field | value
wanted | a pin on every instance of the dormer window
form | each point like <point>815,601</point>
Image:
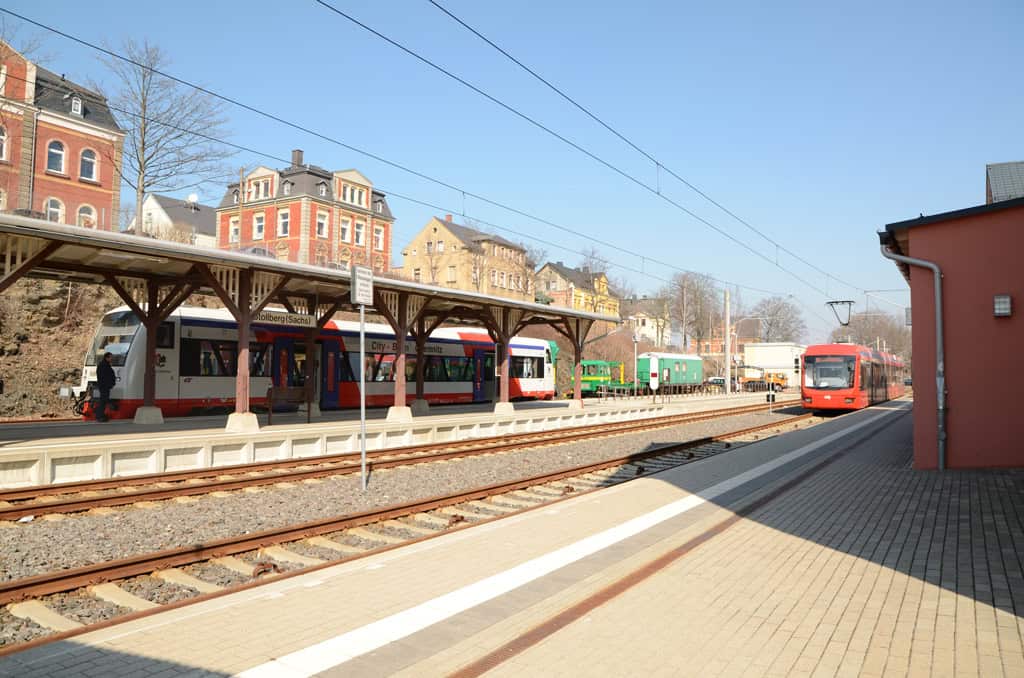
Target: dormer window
<point>234,198</point>
<point>287,188</point>
<point>76,105</point>
<point>323,189</point>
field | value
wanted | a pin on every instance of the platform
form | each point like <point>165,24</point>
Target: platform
<point>820,552</point>
<point>59,452</point>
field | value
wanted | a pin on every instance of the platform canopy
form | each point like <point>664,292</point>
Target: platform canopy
<point>156,276</point>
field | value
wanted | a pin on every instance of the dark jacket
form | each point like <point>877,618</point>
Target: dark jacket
<point>105,377</point>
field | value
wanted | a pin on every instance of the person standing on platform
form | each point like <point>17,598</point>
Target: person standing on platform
<point>105,380</point>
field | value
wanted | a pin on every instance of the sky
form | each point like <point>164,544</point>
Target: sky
<point>815,123</point>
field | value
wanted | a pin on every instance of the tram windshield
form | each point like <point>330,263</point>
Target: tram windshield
<point>114,336</point>
<point>829,371</point>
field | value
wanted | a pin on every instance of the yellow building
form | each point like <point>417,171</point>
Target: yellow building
<point>452,255</point>
<point>576,288</point>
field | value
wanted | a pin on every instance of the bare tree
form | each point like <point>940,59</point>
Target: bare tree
<point>593,260</point>
<point>165,147</point>
<point>526,268</point>
<point>781,319</point>
<point>694,302</point>
<point>879,330</point>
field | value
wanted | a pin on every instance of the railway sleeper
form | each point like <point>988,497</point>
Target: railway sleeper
<point>235,565</point>
<point>373,535</point>
<point>112,593</point>
<point>39,613</point>
<point>285,555</point>
<point>182,578</point>
<point>465,513</point>
<point>344,549</point>
<point>490,507</point>
<point>509,500</point>
<point>408,527</point>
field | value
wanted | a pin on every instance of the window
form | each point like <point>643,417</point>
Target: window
<point>234,233</point>
<point>54,210</point>
<point>3,199</point>
<point>259,189</point>
<point>529,367</point>
<point>430,247</point>
<point>440,246</point>
<point>379,207</point>
<point>283,223</point>
<point>346,229</point>
<point>258,221</point>
<point>451,274</point>
<point>87,216</point>
<point>321,224</point>
<point>494,278</point>
<point>76,106</point>
<point>378,238</point>
<point>360,237</point>
<point>87,166</point>
<point>3,79</point>
<point>323,189</point>
<point>55,157</point>
<point>344,193</point>
<point>287,188</point>
<point>234,198</point>
<point>416,274</point>
<point>362,197</point>
<point>3,141</point>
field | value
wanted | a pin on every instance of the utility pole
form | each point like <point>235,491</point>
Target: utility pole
<point>727,349</point>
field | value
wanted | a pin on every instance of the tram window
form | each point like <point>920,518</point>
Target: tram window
<point>524,367</point>
<point>590,370</point>
<point>207,358</point>
<point>434,369</point>
<point>410,368</point>
<point>259,360</point>
<point>165,335</point>
<point>489,367</point>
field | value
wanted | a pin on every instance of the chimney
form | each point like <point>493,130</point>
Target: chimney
<point>297,157</point>
<point>448,218</point>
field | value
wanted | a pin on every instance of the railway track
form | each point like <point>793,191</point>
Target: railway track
<point>254,558</point>
<point>82,496</point>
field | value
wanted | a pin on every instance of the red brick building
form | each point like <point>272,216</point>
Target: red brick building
<point>308,215</point>
<point>978,251</point>
<point>60,147</point>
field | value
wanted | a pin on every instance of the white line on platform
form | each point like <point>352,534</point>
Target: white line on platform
<point>340,649</point>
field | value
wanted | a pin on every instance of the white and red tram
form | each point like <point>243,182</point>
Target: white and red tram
<point>197,352</point>
<point>849,377</point>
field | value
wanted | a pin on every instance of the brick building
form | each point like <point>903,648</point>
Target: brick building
<point>60,147</point>
<point>578,288</point>
<point>308,215</point>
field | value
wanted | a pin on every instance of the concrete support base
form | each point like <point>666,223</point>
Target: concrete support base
<point>149,415</point>
<point>400,414</point>
<point>420,408</point>
<point>504,409</point>
<point>576,404</point>
<point>314,410</point>
<point>242,422</point>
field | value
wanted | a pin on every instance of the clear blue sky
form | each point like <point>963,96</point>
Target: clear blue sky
<point>817,123</point>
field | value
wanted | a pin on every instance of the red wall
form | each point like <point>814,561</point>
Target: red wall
<point>980,256</point>
<point>70,188</point>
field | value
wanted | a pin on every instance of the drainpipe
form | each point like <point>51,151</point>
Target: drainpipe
<point>885,239</point>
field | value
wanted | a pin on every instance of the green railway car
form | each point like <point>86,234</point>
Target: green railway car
<point>598,373</point>
<point>671,372</point>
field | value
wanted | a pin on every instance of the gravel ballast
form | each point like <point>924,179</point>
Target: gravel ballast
<point>81,539</point>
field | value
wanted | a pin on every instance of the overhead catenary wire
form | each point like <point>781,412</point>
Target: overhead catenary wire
<point>658,164</point>
<point>338,142</point>
<point>653,190</point>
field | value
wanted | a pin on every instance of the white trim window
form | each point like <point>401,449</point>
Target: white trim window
<point>503,279</point>
<point>54,209</point>
<point>234,231</point>
<point>87,166</point>
<point>440,246</point>
<point>87,216</point>
<point>378,238</point>
<point>55,157</point>
<point>76,106</point>
<point>3,140</point>
<point>259,189</point>
<point>416,275</point>
<point>258,222</point>
<point>284,218</point>
<point>286,188</point>
<point>323,190</point>
<point>346,230</point>
<point>321,224</point>
<point>451,275</point>
<point>360,234</point>
<point>494,278</point>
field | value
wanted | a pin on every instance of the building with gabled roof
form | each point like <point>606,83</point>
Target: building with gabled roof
<point>170,218</point>
<point>60,147</point>
<point>309,215</point>
<point>578,288</point>
<point>460,257</point>
<point>1004,181</point>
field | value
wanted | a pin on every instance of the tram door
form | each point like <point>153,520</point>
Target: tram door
<point>286,372</point>
<point>483,376</point>
<point>330,357</point>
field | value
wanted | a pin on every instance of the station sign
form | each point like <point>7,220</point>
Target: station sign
<point>362,285</point>
<point>283,318</point>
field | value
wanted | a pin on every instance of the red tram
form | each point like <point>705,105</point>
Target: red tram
<point>849,377</point>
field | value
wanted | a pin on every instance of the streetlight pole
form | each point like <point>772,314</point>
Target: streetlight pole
<point>636,375</point>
